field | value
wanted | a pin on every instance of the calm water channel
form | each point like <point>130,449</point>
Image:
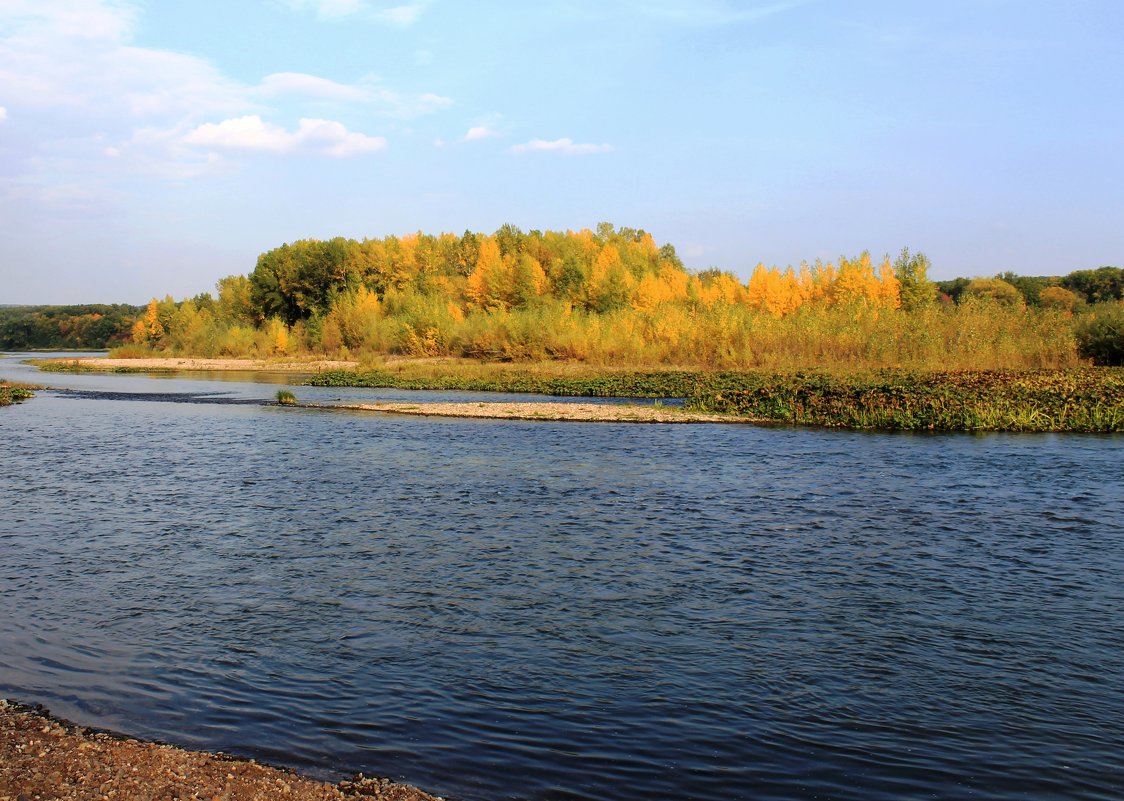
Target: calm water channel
<point>503,610</point>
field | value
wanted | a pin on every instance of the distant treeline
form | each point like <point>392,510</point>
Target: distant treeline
<point>1103,285</point>
<point>86,327</point>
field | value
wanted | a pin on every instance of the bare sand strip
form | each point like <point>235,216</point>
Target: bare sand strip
<point>544,411</point>
<point>43,757</point>
<point>253,365</point>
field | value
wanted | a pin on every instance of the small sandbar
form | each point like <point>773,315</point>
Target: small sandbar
<point>250,365</point>
<point>546,411</point>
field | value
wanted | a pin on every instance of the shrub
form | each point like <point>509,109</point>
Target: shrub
<point>1100,335</point>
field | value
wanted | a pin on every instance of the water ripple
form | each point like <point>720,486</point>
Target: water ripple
<point>497,610</point>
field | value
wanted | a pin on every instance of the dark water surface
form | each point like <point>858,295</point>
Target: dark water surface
<point>501,610</point>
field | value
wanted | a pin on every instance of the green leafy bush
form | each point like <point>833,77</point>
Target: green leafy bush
<point>1100,335</point>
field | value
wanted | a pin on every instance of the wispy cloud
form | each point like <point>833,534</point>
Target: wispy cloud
<point>702,12</point>
<point>564,146</point>
<point>478,132</point>
<point>325,137</point>
<point>301,84</point>
<point>402,15</point>
<point>3,113</point>
<point>70,67</point>
<point>367,91</point>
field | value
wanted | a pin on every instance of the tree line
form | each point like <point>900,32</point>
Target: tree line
<point>605,295</point>
<point>80,327</point>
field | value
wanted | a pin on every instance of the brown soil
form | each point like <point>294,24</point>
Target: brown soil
<point>255,365</point>
<point>577,412</point>
<point>43,758</point>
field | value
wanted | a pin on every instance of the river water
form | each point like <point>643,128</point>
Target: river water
<point>501,610</point>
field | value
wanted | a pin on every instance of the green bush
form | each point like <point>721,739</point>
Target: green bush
<point>1100,335</point>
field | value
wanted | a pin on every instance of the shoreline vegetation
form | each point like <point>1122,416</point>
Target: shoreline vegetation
<point>15,392</point>
<point>1078,399</point>
<point>854,343</point>
<point>42,756</point>
<point>611,297</point>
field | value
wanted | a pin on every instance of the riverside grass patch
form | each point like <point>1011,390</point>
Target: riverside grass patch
<point>1078,400</point>
<point>76,366</point>
<point>1087,399</point>
<point>15,393</point>
<point>596,384</point>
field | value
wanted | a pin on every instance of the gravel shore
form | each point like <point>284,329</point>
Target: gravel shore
<point>546,411</point>
<point>43,757</point>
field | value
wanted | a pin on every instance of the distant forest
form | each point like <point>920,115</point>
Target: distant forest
<point>83,327</point>
<point>609,295</point>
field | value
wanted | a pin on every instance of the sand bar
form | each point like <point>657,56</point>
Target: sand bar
<point>43,757</point>
<point>546,411</point>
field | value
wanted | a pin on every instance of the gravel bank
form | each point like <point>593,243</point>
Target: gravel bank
<point>576,412</point>
<point>42,757</point>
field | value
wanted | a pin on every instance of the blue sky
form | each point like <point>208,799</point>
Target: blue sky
<point>152,147</point>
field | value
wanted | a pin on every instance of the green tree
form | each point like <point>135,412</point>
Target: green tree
<point>915,288</point>
<point>1099,285</point>
<point>993,289</point>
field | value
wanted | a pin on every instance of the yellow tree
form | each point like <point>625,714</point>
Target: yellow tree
<point>758,289</point>
<point>486,284</point>
<point>148,329</point>
<point>611,284</point>
<point>856,282</point>
<point>889,287</point>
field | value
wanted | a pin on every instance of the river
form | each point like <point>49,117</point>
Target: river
<point>527,610</point>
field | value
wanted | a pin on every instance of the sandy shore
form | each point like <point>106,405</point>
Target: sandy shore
<point>254,365</point>
<point>576,412</point>
<point>42,757</point>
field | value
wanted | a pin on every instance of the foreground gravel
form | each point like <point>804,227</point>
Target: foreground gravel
<point>44,758</point>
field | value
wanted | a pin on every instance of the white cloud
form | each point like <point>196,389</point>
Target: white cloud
<point>75,54</point>
<point>565,146</point>
<point>250,132</point>
<point>478,132</point>
<point>69,68</point>
<point>3,113</point>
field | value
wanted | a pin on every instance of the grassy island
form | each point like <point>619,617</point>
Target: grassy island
<point>15,392</point>
<point>1077,399</point>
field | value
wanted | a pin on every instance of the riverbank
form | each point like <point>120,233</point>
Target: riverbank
<point>1086,400</point>
<point>1081,399</point>
<point>44,757</point>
